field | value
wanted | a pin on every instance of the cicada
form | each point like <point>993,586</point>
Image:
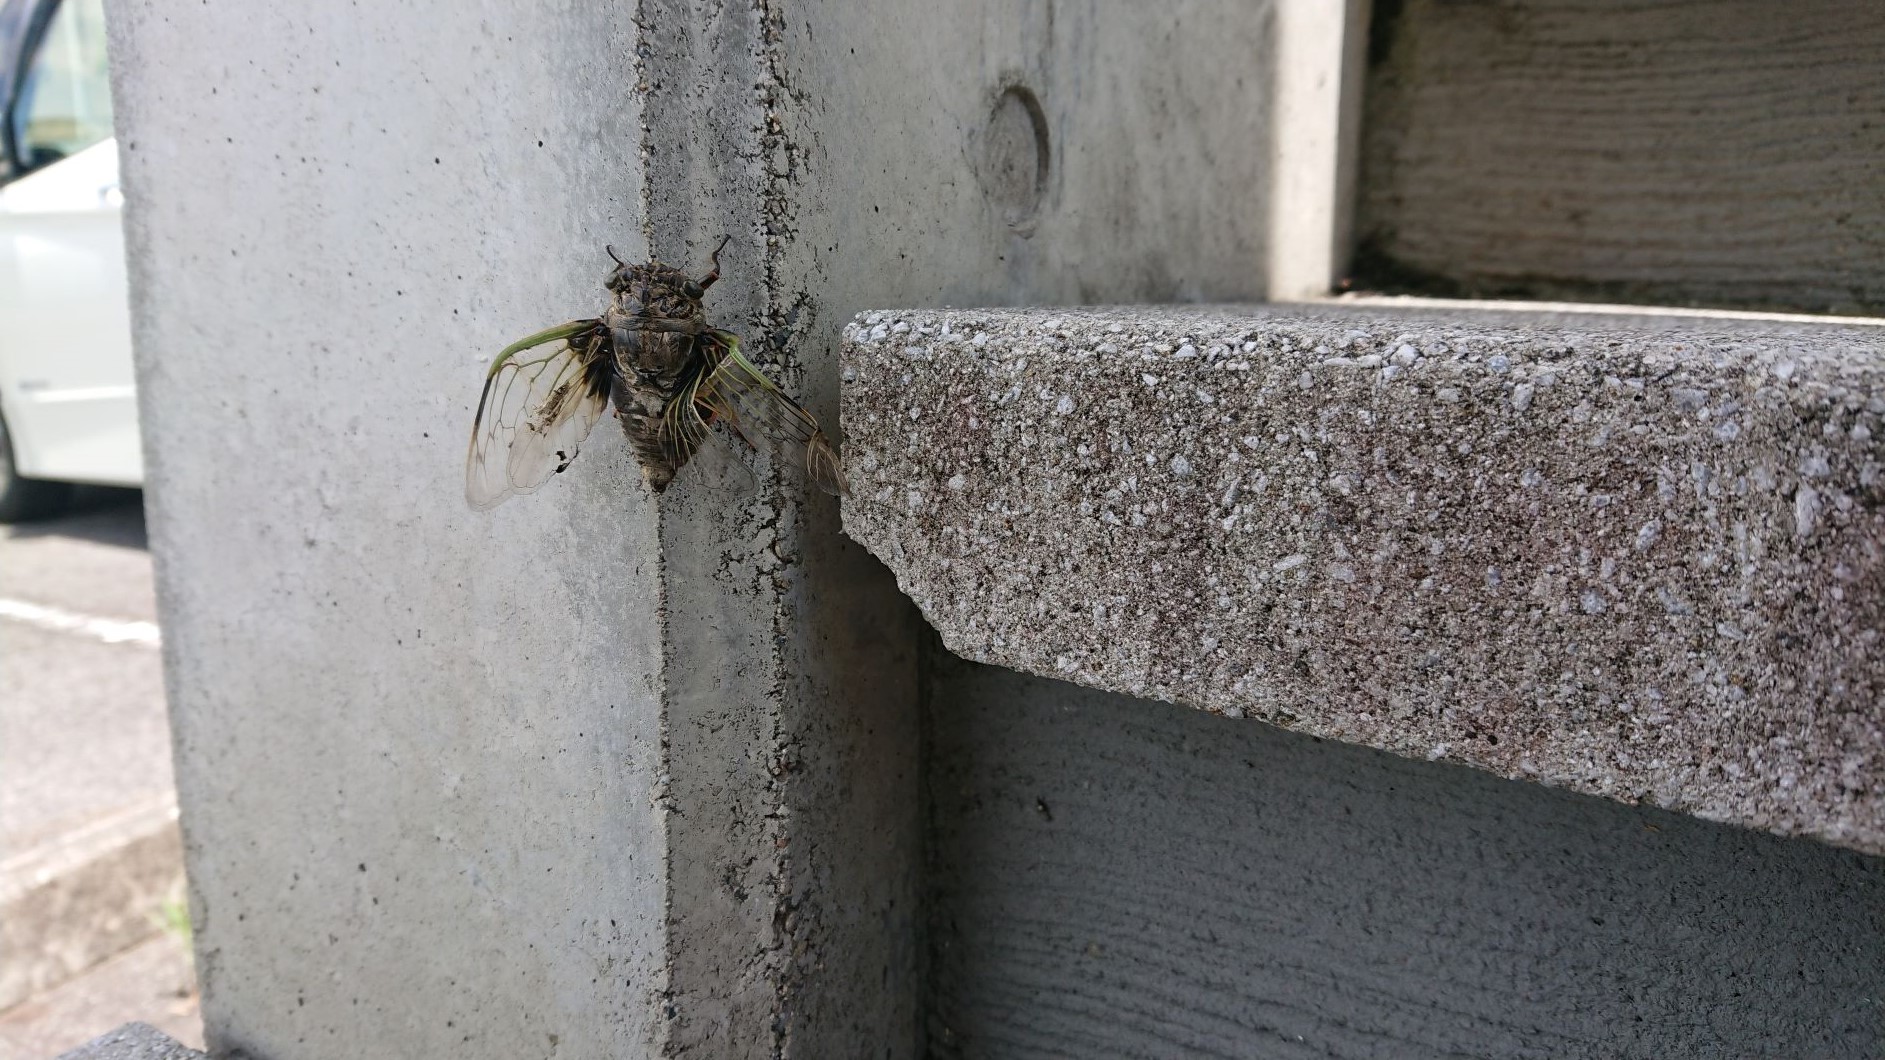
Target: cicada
<point>670,376</point>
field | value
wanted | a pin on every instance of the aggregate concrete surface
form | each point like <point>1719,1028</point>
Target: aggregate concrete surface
<point>1633,556</point>
<point>134,1041</point>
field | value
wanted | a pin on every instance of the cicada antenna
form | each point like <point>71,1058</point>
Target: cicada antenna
<point>611,251</point>
<point>707,280</point>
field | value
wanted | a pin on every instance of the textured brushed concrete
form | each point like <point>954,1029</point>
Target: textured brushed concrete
<point>1123,878</point>
<point>85,732</point>
<point>1635,557</point>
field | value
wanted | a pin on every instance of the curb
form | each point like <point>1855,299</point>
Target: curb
<point>67,904</point>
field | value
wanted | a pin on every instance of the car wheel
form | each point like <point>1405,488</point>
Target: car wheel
<point>23,499</point>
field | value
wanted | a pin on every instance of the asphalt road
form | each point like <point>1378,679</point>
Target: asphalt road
<point>83,736</point>
<point>81,685</point>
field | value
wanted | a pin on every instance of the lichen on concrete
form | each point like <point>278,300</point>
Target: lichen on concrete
<point>1637,557</point>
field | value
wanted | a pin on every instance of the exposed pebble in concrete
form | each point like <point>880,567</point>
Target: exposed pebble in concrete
<point>1532,544</point>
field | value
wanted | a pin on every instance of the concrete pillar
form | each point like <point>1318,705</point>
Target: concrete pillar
<point>1318,130</point>
<point>419,749</point>
<point>596,773</point>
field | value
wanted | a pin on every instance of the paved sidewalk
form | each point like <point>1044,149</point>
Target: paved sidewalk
<point>151,982</point>
<point>89,852</point>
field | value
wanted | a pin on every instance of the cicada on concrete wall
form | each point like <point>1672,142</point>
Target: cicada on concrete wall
<point>671,377</point>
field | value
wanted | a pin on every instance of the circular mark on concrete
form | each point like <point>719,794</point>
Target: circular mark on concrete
<point>1015,156</point>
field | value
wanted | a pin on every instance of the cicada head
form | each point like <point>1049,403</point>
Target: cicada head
<point>656,314</point>
<point>658,296</point>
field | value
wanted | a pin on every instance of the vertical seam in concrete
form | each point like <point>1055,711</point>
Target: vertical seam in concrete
<point>703,141</point>
<point>775,210</point>
<point>662,1025</point>
<point>778,929</point>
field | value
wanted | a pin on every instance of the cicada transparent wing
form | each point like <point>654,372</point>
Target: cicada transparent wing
<point>740,395</point>
<point>684,419</point>
<point>688,437</point>
<point>536,410</point>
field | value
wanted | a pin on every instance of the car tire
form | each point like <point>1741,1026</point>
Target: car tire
<point>26,499</point>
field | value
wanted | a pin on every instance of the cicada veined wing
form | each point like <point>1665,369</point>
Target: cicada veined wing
<point>685,425</point>
<point>536,410</point>
<point>688,436</point>
<point>733,391</point>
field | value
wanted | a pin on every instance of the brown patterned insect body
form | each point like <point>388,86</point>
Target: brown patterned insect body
<point>670,375</point>
<point>655,322</point>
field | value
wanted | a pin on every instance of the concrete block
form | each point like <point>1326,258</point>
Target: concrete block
<point>1317,128</point>
<point>1639,557</point>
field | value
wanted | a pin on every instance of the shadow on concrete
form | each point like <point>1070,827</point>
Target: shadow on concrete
<point>106,515</point>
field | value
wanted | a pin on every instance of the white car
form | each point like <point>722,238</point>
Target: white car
<point>68,403</point>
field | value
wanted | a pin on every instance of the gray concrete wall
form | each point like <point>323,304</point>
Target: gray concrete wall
<point>590,774</point>
<point>901,153</point>
<point>1125,878</point>
<point>417,747</point>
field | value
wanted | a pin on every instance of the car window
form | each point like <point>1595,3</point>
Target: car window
<point>64,104</point>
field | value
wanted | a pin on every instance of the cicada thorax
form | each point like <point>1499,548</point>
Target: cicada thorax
<point>655,321</point>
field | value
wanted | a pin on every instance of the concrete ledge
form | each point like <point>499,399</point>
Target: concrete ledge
<point>1641,557</point>
<point>134,1041</point>
<point>67,904</point>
